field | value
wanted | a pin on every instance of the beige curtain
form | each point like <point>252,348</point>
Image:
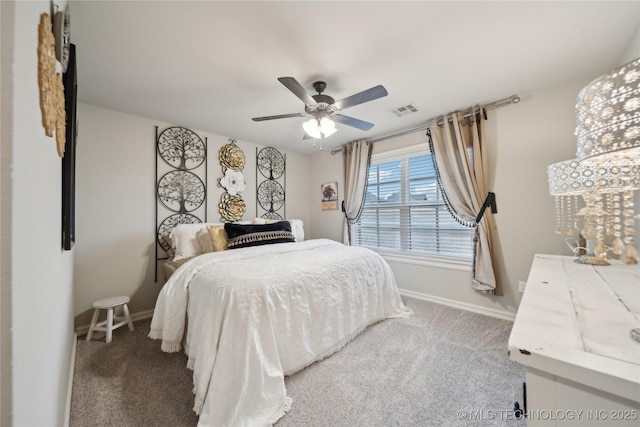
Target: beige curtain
<point>460,157</point>
<point>356,158</point>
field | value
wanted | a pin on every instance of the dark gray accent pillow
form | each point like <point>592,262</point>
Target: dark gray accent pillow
<point>244,235</point>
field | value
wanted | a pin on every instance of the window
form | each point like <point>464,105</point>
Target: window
<point>404,210</point>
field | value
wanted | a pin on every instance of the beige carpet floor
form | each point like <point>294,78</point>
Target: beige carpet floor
<point>440,367</point>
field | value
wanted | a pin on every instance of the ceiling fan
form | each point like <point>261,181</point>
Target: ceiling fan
<point>324,109</point>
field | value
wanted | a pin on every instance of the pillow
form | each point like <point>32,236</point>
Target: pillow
<point>263,221</point>
<point>297,226</point>
<point>205,240</point>
<point>166,240</point>
<point>217,237</point>
<point>184,239</point>
<point>244,235</point>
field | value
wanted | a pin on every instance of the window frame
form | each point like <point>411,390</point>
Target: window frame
<point>407,257</point>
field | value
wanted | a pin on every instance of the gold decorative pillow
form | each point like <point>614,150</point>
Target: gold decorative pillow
<point>205,240</point>
<point>218,237</point>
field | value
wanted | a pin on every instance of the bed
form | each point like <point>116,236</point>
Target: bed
<point>249,316</point>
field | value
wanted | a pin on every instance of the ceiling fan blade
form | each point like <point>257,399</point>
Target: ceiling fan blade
<point>281,116</point>
<point>361,97</point>
<point>297,89</point>
<point>350,121</point>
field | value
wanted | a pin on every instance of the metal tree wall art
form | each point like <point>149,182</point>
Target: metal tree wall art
<point>181,148</point>
<point>170,223</point>
<point>181,191</point>
<point>270,194</point>
<point>271,198</point>
<point>270,163</point>
<point>181,184</point>
<point>232,160</point>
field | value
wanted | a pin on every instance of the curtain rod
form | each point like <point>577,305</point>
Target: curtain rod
<point>514,99</point>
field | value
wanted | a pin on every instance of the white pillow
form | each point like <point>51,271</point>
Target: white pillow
<point>297,228</point>
<point>184,239</point>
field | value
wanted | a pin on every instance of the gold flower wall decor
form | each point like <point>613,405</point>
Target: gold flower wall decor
<point>231,207</point>
<point>231,157</point>
<point>50,84</point>
<point>232,160</point>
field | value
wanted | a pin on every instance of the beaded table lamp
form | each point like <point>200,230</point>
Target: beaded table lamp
<point>606,208</point>
<point>608,112</point>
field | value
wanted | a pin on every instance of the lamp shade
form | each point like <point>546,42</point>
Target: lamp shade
<point>575,178</point>
<point>327,126</point>
<point>312,128</point>
<point>608,117</point>
<point>317,128</point>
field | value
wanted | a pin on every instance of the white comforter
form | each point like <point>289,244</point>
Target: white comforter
<point>257,314</point>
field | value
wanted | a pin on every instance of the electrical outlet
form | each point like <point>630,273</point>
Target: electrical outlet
<point>521,285</point>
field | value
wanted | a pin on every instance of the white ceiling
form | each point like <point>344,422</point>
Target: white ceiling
<point>212,65</point>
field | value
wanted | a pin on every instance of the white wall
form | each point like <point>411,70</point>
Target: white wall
<point>41,273</point>
<point>325,168</point>
<point>115,217</point>
<point>528,137</point>
<point>523,139</point>
<point>633,50</point>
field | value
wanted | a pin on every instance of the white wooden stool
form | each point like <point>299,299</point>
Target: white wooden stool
<point>111,305</point>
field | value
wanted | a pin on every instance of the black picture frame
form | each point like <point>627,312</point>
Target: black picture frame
<point>70,81</point>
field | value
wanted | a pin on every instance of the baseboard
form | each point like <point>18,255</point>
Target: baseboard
<point>72,368</point>
<point>500,314</point>
<point>141,315</point>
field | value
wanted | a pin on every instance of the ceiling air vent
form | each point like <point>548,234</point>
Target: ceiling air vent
<point>404,110</point>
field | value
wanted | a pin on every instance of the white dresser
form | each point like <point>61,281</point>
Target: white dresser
<point>572,334</point>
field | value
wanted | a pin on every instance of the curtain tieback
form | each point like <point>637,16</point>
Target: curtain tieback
<point>489,201</point>
<point>349,222</point>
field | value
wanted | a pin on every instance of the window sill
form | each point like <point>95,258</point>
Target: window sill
<point>426,260</point>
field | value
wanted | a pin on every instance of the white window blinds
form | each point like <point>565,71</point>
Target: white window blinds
<point>404,211</point>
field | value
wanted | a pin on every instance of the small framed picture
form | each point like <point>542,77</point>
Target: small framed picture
<point>329,196</point>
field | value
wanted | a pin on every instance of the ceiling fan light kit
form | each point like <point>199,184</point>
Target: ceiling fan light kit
<point>323,108</point>
<point>319,128</point>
